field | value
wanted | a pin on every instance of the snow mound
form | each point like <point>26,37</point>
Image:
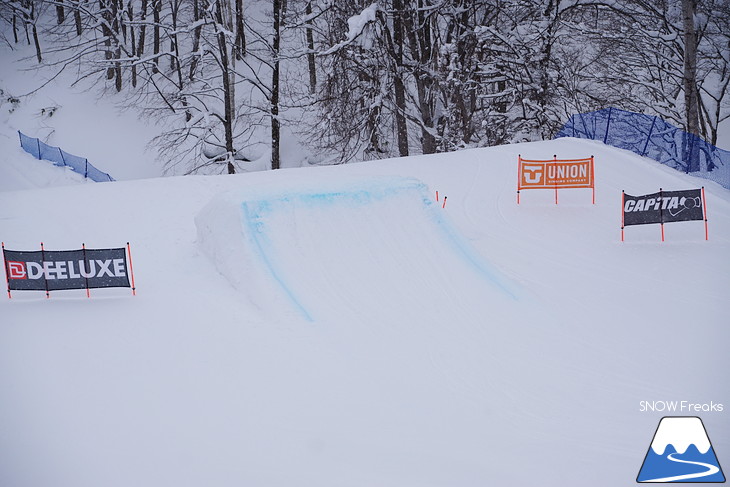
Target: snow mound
<point>20,171</point>
<point>317,248</point>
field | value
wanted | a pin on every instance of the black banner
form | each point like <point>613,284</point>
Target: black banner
<point>50,270</point>
<point>663,207</point>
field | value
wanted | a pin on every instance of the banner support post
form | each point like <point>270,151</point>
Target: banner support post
<point>661,214</point>
<point>131,269</point>
<point>86,268</point>
<point>555,162</point>
<point>593,179</point>
<point>704,212</point>
<point>623,202</point>
<point>519,176</point>
<point>7,277</point>
<point>45,275</point>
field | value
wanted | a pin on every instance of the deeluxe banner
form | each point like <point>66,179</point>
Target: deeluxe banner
<point>51,270</point>
<point>663,207</point>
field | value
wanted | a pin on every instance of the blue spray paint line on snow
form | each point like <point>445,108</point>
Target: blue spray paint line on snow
<point>355,196</point>
<point>256,211</point>
<point>465,250</point>
<point>255,229</point>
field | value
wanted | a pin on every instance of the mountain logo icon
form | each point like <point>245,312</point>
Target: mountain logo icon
<point>680,452</point>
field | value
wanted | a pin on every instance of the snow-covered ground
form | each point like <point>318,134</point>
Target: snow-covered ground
<point>337,326</point>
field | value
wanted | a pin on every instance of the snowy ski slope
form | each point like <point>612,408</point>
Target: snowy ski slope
<point>337,326</point>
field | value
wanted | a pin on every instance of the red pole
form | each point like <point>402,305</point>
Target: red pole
<point>131,269</point>
<point>555,162</point>
<point>86,264</point>
<point>519,176</point>
<point>43,262</point>
<point>661,214</point>
<point>437,195</point>
<point>444,205</point>
<point>704,212</point>
<point>623,198</point>
<point>593,180</point>
<point>7,271</point>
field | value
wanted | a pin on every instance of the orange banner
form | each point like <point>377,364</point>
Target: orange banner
<point>556,173</point>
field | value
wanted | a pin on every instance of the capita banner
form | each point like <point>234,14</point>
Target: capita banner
<point>50,270</point>
<point>663,207</point>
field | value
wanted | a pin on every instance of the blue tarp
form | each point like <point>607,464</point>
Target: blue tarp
<point>652,137</point>
<point>81,165</point>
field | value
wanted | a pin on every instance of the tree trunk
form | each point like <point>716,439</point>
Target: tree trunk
<point>691,102</point>
<point>228,98</point>
<point>60,13</point>
<point>310,51</point>
<point>549,18</point>
<point>106,32</point>
<point>26,18</point>
<point>133,41</point>
<point>691,105</point>
<point>36,42</point>
<point>400,92</point>
<point>156,8</point>
<point>240,33</point>
<point>15,28</point>
<point>196,41</point>
<point>419,39</point>
<point>115,14</point>
<point>275,127</point>
<point>142,28</point>
<point>77,18</point>
<point>175,63</point>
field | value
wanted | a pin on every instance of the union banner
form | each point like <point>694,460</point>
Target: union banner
<point>555,174</point>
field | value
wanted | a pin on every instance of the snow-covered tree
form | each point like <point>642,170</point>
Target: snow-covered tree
<point>365,79</point>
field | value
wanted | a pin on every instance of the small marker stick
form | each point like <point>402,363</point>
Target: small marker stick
<point>7,271</point>
<point>45,275</point>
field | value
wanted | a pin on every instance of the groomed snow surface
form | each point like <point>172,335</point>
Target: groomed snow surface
<point>338,326</point>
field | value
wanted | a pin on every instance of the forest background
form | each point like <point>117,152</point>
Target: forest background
<point>227,82</point>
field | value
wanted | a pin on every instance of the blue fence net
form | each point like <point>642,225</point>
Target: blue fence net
<point>652,137</point>
<point>81,165</point>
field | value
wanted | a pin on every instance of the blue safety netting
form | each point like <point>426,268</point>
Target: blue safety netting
<point>652,137</point>
<point>81,165</point>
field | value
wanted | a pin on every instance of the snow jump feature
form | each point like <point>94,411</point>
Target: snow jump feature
<point>323,247</point>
